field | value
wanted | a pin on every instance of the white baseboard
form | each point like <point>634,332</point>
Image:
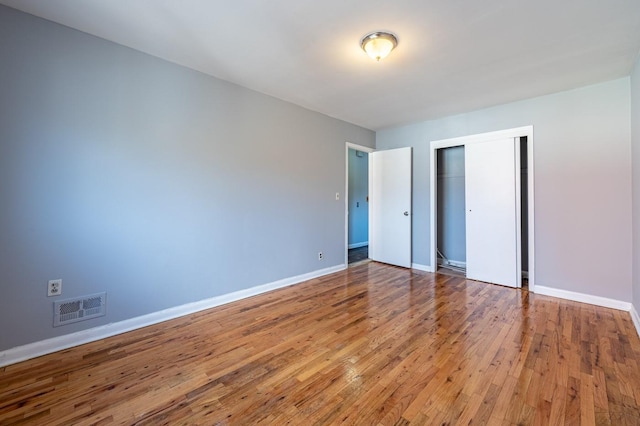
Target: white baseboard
<point>456,263</point>
<point>635,318</point>
<point>358,245</point>
<point>43,347</point>
<point>584,298</point>
<point>420,267</point>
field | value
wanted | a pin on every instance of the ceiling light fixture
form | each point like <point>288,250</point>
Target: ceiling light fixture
<point>378,44</point>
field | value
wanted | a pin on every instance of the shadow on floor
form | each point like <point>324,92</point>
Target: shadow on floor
<point>358,254</point>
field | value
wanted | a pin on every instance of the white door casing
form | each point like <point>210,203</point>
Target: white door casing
<point>525,131</point>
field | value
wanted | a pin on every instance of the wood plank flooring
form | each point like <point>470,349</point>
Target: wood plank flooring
<point>371,345</point>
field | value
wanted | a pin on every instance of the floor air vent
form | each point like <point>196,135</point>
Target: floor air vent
<point>80,309</point>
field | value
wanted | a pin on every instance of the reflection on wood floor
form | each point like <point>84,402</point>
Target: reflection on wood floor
<point>373,344</point>
<point>456,272</point>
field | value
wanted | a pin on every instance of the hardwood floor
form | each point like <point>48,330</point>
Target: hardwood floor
<point>371,345</point>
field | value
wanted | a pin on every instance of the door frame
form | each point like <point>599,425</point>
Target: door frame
<point>368,150</point>
<point>478,138</point>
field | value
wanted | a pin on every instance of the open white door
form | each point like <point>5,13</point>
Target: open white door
<point>493,211</point>
<point>390,206</point>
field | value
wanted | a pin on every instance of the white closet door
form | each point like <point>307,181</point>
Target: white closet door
<point>390,206</point>
<point>493,211</point>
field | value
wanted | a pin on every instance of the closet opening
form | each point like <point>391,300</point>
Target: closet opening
<point>451,208</point>
<point>524,210</point>
<point>451,227</point>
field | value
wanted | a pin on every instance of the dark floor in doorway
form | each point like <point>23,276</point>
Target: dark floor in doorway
<point>358,254</point>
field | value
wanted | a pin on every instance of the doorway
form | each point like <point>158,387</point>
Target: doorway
<point>389,204</point>
<point>454,181</point>
<point>357,203</point>
<point>357,206</point>
<point>451,225</point>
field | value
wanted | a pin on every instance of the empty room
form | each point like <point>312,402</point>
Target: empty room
<point>285,212</point>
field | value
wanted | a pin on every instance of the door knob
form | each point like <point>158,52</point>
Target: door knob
<point>406,213</point>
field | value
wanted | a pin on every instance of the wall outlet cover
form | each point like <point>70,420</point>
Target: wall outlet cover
<point>54,288</point>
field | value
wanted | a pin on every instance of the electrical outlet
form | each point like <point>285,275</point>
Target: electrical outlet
<point>337,196</point>
<point>320,255</point>
<point>54,288</point>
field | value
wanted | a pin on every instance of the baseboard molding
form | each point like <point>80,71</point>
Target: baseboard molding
<point>584,298</point>
<point>44,347</point>
<point>420,267</point>
<point>449,262</point>
<point>635,318</point>
<point>358,245</point>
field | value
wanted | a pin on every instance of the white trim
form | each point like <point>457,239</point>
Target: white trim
<point>358,245</point>
<point>456,263</point>
<point>433,164</point>
<point>44,347</point>
<point>635,318</point>
<point>482,137</point>
<point>346,193</point>
<point>584,298</point>
<point>531,233</point>
<point>420,267</point>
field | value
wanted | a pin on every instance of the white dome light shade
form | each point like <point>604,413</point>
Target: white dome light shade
<point>379,44</point>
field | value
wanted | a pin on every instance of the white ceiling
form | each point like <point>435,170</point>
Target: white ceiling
<point>453,56</point>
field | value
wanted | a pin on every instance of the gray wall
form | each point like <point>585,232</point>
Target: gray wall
<point>358,192</point>
<point>124,173</point>
<point>582,182</point>
<point>635,136</point>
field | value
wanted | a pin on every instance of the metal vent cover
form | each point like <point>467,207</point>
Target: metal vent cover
<point>79,309</point>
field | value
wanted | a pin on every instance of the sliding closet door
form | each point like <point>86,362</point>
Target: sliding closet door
<point>492,211</point>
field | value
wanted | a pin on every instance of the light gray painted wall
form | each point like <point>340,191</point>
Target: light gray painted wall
<point>582,182</point>
<point>635,136</point>
<point>124,173</point>
<point>358,192</point>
